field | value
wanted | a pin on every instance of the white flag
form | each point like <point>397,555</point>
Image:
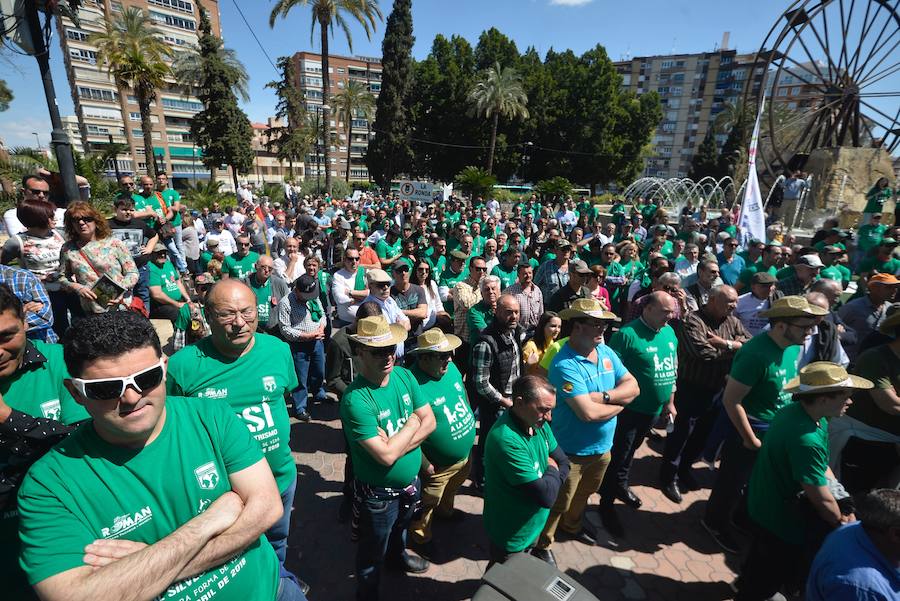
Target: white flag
<point>752,220</point>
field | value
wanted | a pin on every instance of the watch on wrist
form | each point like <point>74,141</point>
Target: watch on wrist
<point>606,398</point>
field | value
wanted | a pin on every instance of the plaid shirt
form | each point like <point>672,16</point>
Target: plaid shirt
<point>485,365</point>
<point>295,319</point>
<point>531,304</point>
<point>28,288</point>
<point>465,296</point>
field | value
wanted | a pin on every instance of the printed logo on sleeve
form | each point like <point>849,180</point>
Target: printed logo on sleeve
<point>568,387</point>
<point>207,476</point>
<point>51,409</point>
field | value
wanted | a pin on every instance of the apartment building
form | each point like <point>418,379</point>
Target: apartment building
<point>107,114</point>
<point>342,69</point>
<point>266,166</point>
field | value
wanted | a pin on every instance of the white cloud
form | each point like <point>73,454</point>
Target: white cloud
<point>17,131</point>
<point>570,2</point>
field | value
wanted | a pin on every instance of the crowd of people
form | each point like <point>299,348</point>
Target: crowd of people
<point>152,361</point>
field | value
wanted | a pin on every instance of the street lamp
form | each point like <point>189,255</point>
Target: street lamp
<point>37,139</point>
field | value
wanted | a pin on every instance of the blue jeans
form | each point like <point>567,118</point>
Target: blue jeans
<point>175,253</point>
<point>383,524</point>
<point>278,533</point>
<point>309,362</point>
<point>142,288</point>
<point>288,590</point>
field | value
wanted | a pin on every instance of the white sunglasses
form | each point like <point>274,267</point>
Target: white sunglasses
<point>106,389</point>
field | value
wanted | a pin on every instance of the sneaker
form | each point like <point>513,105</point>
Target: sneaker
<point>722,538</point>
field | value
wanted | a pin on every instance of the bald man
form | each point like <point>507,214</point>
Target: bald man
<point>253,373</point>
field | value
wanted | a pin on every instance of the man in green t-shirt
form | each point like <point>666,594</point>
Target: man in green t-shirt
<point>793,460</point>
<point>269,288</point>
<point>172,200</point>
<point>524,470</point>
<point>754,393</point>
<point>252,373</point>
<point>446,451</point>
<point>35,411</point>
<point>192,492</point>
<point>152,207</point>
<point>648,348</point>
<point>242,263</point>
<point>385,419</point>
<point>167,291</point>
<point>388,248</point>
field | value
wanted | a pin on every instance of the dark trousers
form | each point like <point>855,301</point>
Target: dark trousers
<point>731,480</point>
<point>487,416</point>
<point>383,523</point>
<point>696,415</point>
<point>59,305</point>
<point>160,311</point>
<point>771,565</point>
<point>631,430</point>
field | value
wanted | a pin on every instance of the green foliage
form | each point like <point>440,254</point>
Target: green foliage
<point>475,181</point>
<point>498,93</point>
<point>133,50</point>
<point>274,191</point>
<point>495,48</point>
<point>6,96</point>
<point>222,129</point>
<point>553,189</point>
<point>293,140</point>
<point>733,156</point>
<point>706,159</point>
<point>204,193</point>
<point>103,189</point>
<point>504,196</point>
<point>389,151</point>
<point>316,187</point>
<point>187,68</point>
<point>354,101</point>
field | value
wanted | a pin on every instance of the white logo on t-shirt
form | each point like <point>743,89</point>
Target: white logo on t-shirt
<point>123,524</point>
<point>51,409</point>
<point>207,476</point>
<point>269,383</point>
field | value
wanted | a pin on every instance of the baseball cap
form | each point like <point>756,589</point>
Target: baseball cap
<point>883,278</point>
<point>833,250</point>
<point>810,261</point>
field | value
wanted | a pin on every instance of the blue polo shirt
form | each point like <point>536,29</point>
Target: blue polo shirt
<point>849,567</point>
<point>729,272</point>
<point>572,375</point>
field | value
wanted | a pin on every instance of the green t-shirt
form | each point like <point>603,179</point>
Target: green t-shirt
<point>141,203</point>
<point>366,408</point>
<point>183,319</point>
<point>166,278</point>
<point>387,251</point>
<point>652,358</point>
<point>795,452</point>
<point>881,365</point>
<point>838,273</point>
<point>870,236</point>
<point>263,298</point>
<point>437,265</point>
<point>512,518</point>
<point>507,277</point>
<point>766,368</point>
<point>86,489</point>
<point>240,267</point>
<point>454,432</point>
<point>478,318</point>
<point>254,385</point>
<point>747,273</point>
<point>171,197</point>
<point>478,245</point>
<point>36,389</point>
<point>874,264</point>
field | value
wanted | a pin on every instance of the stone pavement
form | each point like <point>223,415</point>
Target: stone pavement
<point>665,556</point>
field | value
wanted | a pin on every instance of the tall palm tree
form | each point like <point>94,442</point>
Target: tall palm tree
<point>326,14</point>
<point>498,93</point>
<point>187,68</point>
<point>353,101</point>
<point>133,50</point>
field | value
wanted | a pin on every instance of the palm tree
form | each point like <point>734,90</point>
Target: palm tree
<point>133,50</point>
<point>354,101</point>
<point>188,70</point>
<point>499,92</point>
<point>325,14</point>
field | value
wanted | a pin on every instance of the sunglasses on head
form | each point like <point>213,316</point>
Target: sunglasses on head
<point>108,389</point>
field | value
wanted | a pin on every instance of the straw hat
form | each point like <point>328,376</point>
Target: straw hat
<point>375,331</point>
<point>435,341</point>
<point>823,376</point>
<point>891,321</point>
<point>587,307</point>
<point>792,306</point>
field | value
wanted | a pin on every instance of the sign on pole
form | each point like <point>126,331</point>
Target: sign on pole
<point>752,220</point>
<point>416,191</point>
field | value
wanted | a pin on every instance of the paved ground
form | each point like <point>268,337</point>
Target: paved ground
<point>666,555</point>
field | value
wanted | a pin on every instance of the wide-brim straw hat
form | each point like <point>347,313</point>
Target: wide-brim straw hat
<point>792,306</point>
<point>588,307</point>
<point>435,341</point>
<point>375,331</point>
<point>821,377</point>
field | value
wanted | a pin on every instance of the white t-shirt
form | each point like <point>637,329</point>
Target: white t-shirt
<point>14,226</point>
<point>342,284</point>
<point>747,310</point>
<point>227,245</point>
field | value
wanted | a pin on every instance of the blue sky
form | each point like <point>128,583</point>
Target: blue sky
<point>631,28</point>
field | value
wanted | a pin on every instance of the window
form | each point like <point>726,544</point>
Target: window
<point>312,94</point>
<point>173,21</point>
<point>174,5</point>
<point>133,100</point>
<point>96,112</point>
<point>667,64</point>
<point>97,94</point>
<point>173,41</point>
<point>75,34</point>
<point>97,130</point>
<point>341,70</point>
<point>86,56</point>
<point>134,116</point>
<point>782,91</point>
<point>182,105</point>
<point>726,60</point>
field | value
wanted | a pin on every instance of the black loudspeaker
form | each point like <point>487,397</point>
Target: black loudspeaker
<point>524,577</point>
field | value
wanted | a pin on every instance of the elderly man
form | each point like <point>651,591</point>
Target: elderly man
<point>698,293</point>
<point>688,264</point>
<point>253,374</point>
<point>553,275</point>
<point>708,339</point>
<point>269,289</point>
<point>806,271</point>
<point>445,453</point>
<point>647,347</point>
<point>525,469</point>
<point>223,237</point>
<point>379,283</point>
<point>592,386</point>
<point>864,314</point>
<point>575,288</point>
<point>758,299</point>
<point>35,412</point>
<point>496,362</point>
<point>386,418</point>
<point>531,300</point>
<point>754,393</point>
<point>794,460</point>
<point>195,489</point>
<point>348,286</point>
<point>302,322</point>
<point>482,312</point>
<point>667,282</point>
<point>824,342</point>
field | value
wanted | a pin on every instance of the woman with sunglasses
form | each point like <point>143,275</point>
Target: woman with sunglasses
<point>545,334</point>
<point>91,254</point>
